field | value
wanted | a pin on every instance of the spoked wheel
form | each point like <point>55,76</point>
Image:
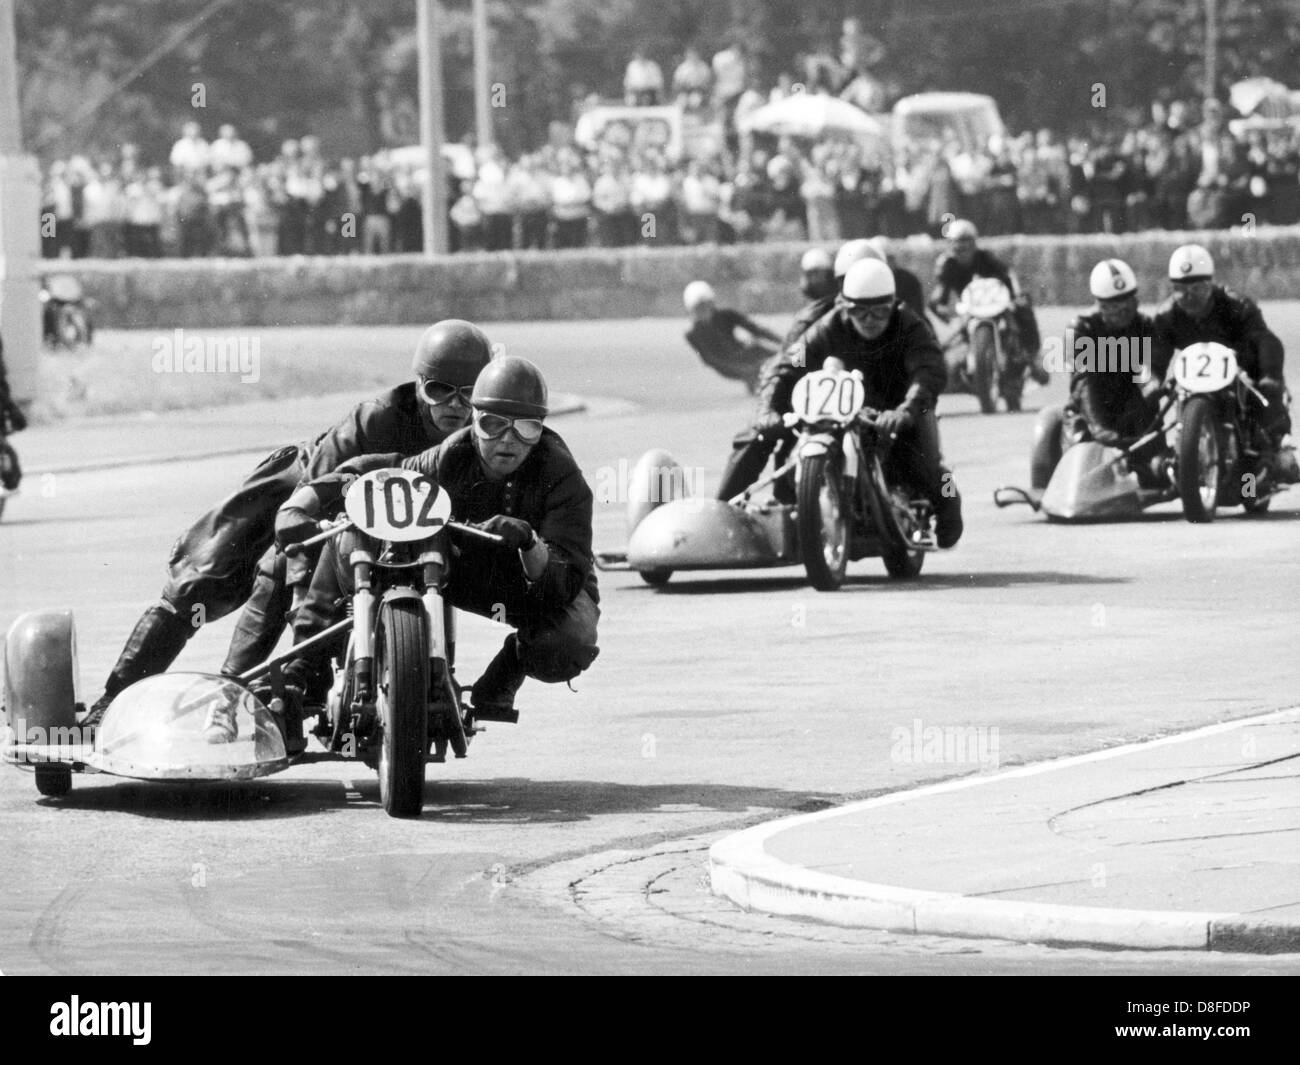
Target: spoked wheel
<point>984,356</point>
<point>822,524</point>
<point>894,525</point>
<point>402,669</point>
<point>1199,451</point>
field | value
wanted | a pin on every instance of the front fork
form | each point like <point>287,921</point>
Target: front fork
<point>363,625</point>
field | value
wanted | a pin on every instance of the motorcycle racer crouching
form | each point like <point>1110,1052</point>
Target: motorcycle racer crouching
<point>903,374</point>
<point>511,476</point>
<point>752,447</point>
<point>713,336</point>
<point>965,261</point>
<point>220,560</point>
<point>1200,310</point>
<point>1114,394</point>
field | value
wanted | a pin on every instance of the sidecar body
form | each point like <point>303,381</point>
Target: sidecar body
<point>153,730</point>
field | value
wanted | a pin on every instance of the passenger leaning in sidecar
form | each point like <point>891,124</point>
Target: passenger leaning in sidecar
<point>903,372</point>
<point>221,562</point>
<point>511,476</point>
<point>1114,391</point>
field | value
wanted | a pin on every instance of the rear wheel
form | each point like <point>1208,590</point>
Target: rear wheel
<point>1199,451</point>
<point>822,524</point>
<point>402,667</point>
<point>53,779</point>
<point>983,348</point>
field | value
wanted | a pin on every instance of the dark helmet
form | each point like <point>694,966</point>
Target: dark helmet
<point>452,351</point>
<point>513,386</point>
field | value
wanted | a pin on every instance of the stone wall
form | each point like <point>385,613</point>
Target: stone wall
<point>633,283</point>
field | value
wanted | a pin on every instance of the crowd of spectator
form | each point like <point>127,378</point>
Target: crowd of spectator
<point>1177,168</point>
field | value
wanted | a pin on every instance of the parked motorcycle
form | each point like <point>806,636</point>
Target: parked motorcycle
<point>989,341</point>
<point>66,310</point>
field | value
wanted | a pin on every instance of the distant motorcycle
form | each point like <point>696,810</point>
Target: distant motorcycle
<point>65,315</point>
<point>992,365</point>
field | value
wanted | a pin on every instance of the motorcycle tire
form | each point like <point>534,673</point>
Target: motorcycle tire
<point>402,675</point>
<point>901,561</point>
<point>1200,450</point>
<point>53,779</point>
<point>822,524</point>
<point>656,578</point>
<point>984,355</point>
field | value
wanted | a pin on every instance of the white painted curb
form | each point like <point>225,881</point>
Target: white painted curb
<point>741,869</point>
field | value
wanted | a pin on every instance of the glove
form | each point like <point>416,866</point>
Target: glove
<point>892,422</point>
<point>1106,437</point>
<point>517,534</point>
<point>293,527</point>
<point>769,421</point>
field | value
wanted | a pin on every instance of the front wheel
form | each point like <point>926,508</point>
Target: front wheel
<point>822,525</point>
<point>402,668</point>
<point>984,355</point>
<point>1200,448</point>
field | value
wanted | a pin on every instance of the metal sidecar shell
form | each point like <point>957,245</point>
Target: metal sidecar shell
<point>690,534</point>
<point>1091,483</point>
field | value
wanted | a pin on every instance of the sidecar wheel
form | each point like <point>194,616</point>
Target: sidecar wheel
<point>402,672</point>
<point>1199,456</point>
<point>822,524</point>
<point>656,577</point>
<point>53,779</point>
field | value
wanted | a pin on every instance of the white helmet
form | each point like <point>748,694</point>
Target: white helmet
<point>852,252</point>
<point>1190,263</point>
<point>816,259</point>
<point>868,280</point>
<point>698,292</point>
<point>1112,278</point>
<point>959,228</point>
<point>881,244</point>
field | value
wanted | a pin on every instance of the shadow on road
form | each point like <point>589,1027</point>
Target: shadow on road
<point>498,801</point>
<point>877,582</point>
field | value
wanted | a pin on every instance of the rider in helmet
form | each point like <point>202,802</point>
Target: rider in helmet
<point>965,261</point>
<point>218,561</point>
<point>1113,392</point>
<point>1200,310</point>
<point>903,371</point>
<point>713,336</point>
<point>911,293</point>
<point>512,476</point>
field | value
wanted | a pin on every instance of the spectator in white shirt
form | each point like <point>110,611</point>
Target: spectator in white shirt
<point>643,82</point>
<point>229,150</point>
<point>190,154</point>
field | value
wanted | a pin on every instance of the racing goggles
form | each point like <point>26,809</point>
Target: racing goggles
<point>490,426</point>
<point>438,393</point>
<point>870,312</point>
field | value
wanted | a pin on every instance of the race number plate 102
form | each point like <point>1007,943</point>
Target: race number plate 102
<point>1205,367</point>
<point>828,396</point>
<point>397,505</point>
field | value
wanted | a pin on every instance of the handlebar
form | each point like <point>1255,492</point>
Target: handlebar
<point>328,532</point>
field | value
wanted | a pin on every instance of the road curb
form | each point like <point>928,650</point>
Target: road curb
<point>741,869</point>
<point>573,405</point>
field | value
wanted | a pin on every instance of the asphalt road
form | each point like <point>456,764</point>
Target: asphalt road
<point>575,841</point>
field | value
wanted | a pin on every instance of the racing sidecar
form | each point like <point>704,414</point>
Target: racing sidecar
<point>154,730</point>
<point>844,507</point>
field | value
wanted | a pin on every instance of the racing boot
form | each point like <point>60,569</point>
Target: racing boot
<point>493,695</point>
<point>947,514</point>
<point>159,636</point>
